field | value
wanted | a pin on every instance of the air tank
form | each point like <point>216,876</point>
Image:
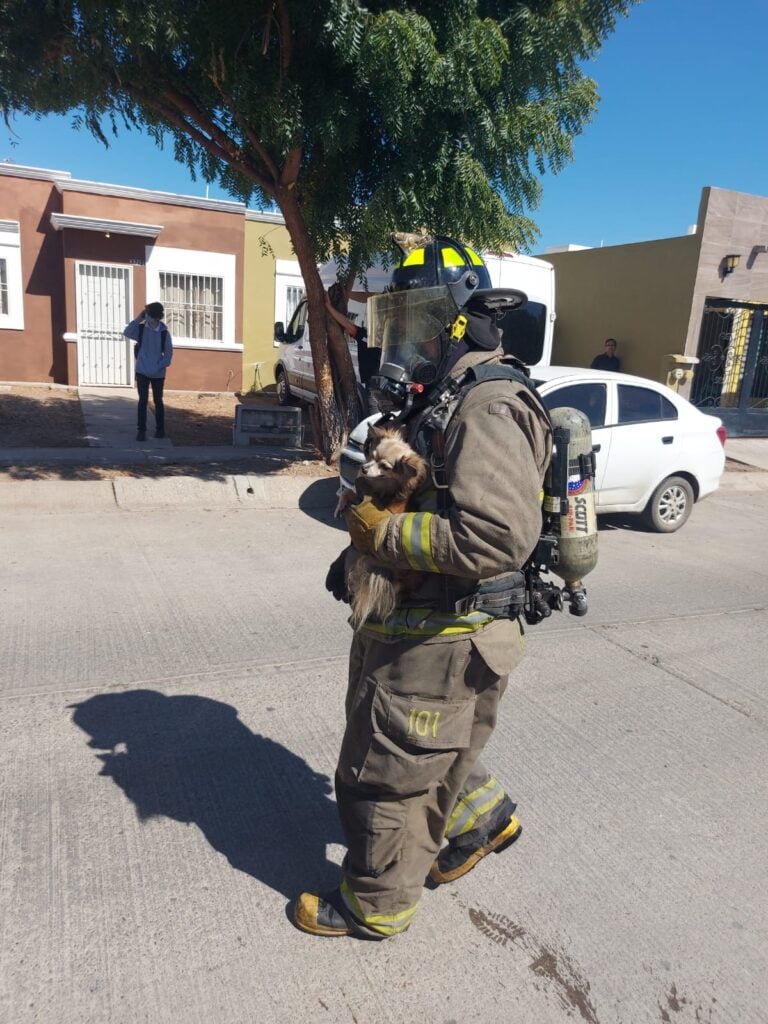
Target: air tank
<point>569,500</point>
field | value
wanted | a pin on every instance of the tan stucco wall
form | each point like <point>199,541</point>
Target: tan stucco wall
<point>639,294</point>
<point>265,242</point>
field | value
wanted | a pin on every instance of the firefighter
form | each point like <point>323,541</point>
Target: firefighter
<point>424,685</point>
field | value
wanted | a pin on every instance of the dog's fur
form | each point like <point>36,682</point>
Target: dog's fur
<point>392,473</point>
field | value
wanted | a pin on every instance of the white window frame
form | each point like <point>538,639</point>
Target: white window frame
<point>167,260</point>
<point>287,275</point>
<point>10,251</point>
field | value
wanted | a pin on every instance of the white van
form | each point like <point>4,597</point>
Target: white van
<point>526,332</point>
<point>294,369</point>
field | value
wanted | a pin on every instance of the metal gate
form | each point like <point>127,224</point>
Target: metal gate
<point>103,309</point>
<point>731,378</point>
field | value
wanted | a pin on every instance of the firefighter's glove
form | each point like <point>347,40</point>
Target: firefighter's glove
<point>336,580</point>
<point>367,525</point>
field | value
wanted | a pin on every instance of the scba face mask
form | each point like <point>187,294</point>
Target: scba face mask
<point>411,330</point>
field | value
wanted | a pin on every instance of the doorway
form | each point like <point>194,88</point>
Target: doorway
<point>104,295</point>
<point>731,378</point>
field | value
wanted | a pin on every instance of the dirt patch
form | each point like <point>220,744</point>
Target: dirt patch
<point>41,416</point>
<point>193,418</point>
<point>49,416</point>
<point>204,417</point>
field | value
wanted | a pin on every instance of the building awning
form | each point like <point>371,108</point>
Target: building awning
<point>104,226</point>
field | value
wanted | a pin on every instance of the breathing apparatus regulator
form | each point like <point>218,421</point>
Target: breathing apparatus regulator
<point>441,303</point>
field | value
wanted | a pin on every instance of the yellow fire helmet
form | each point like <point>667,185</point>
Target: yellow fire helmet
<point>445,261</point>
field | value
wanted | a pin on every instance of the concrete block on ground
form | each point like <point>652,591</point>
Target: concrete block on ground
<point>266,425</point>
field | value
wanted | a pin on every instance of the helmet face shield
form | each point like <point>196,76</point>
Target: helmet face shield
<point>410,329</point>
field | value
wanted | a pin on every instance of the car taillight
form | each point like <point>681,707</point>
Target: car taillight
<point>722,434</point>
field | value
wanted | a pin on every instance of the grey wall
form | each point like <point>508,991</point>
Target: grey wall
<point>729,222</point>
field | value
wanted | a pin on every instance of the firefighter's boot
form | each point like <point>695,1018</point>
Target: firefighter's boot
<point>463,852</point>
<point>327,915</point>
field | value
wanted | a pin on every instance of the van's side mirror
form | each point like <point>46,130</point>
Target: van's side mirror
<point>279,331</point>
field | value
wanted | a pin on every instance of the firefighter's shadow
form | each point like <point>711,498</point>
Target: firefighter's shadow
<point>191,759</point>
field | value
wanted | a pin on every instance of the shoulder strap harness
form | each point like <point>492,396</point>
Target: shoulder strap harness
<point>500,598</point>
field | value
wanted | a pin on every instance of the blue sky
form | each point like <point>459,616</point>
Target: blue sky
<point>683,91</point>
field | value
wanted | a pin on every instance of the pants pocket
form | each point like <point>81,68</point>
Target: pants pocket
<point>375,832</point>
<point>414,741</point>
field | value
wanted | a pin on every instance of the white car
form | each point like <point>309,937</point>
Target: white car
<point>656,453</point>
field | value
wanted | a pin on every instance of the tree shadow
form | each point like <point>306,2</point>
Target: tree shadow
<point>191,759</point>
<point>163,464</point>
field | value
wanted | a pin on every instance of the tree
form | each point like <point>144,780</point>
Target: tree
<point>354,121</point>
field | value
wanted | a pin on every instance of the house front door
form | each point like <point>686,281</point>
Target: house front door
<point>731,378</point>
<point>104,299</point>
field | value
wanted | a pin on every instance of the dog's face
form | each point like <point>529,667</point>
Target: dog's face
<point>392,467</point>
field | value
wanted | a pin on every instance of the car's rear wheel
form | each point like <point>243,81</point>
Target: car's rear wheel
<point>670,505</point>
<point>283,391</point>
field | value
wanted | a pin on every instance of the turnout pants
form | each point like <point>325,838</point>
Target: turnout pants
<point>419,712</point>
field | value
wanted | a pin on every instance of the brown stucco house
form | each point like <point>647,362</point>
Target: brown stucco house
<point>79,259</point>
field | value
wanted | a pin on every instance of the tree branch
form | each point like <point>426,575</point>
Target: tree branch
<point>253,139</point>
<point>291,167</point>
<point>286,37</point>
<point>226,152</point>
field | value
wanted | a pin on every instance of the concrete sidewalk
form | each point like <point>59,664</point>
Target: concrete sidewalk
<point>110,419</point>
<point>750,451</point>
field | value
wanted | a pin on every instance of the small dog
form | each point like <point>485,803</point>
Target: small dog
<point>392,473</point>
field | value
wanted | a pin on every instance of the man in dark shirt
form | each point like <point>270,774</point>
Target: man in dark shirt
<point>607,360</point>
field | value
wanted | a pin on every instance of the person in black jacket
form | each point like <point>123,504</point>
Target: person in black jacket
<point>153,352</point>
<point>607,360</point>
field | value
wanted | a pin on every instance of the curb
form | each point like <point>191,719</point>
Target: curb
<point>131,494</point>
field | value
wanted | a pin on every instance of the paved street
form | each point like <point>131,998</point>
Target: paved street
<point>172,679</point>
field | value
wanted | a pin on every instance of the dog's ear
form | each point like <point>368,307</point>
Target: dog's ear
<point>373,438</point>
<point>405,467</point>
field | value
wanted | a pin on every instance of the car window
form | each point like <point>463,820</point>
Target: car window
<point>638,405</point>
<point>298,321</point>
<point>587,398</point>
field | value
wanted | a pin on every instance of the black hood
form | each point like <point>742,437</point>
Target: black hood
<point>482,332</point>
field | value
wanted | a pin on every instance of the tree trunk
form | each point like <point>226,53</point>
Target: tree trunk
<point>337,397</point>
